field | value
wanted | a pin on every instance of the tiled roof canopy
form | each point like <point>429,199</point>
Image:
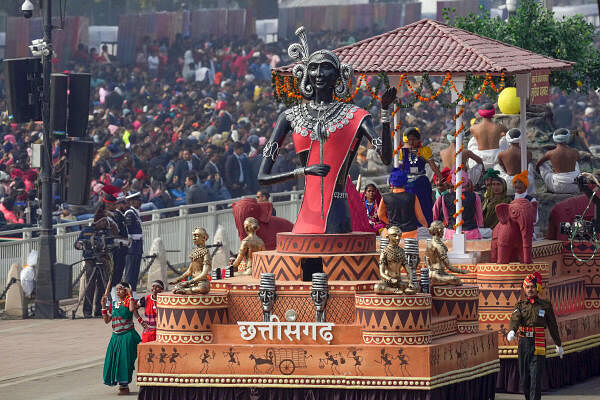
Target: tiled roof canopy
<point>432,47</point>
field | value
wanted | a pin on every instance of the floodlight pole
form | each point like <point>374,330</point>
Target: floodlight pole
<point>46,305</point>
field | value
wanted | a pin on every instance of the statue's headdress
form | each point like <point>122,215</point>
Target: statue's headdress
<point>300,52</point>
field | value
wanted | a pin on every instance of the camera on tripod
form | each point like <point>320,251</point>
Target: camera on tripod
<point>99,244</point>
<point>580,229</point>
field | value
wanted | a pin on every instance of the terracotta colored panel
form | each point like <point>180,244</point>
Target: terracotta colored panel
<point>342,243</point>
<point>285,267</point>
<point>394,319</point>
<point>189,319</point>
<point>443,326</point>
<point>460,301</point>
<point>567,294</point>
<point>339,267</point>
<point>355,267</point>
<point>352,366</point>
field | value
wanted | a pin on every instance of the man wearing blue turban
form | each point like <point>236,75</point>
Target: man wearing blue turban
<point>401,208</point>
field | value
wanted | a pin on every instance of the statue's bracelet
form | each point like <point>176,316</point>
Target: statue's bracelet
<point>385,115</point>
<point>299,171</point>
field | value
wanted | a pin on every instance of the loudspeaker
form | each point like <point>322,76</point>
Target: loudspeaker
<point>58,103</point>
<point>63,281</point>
<point>79,104</point>
<point>79,166</point>
<point>23,88</point>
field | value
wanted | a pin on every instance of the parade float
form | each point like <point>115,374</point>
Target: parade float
<point>320,314</point>
<point>283,334</point>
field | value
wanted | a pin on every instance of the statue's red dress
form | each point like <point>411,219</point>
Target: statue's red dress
<point>335,150</point>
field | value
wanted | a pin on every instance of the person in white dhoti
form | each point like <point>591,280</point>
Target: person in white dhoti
<point>487,140</point>
<point>448,159</point>
<point>509,162</point>
<point>559,167</point>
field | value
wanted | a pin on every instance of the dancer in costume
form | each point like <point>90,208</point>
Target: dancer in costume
<point>326,135</point>
<point>149,304</point>
<point>121,353</point>
<point>533,316</point>
<point>413,158</point>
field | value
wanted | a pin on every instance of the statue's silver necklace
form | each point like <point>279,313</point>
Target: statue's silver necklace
<point>330,117</point>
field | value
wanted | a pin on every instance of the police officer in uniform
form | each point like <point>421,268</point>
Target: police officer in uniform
<point>121,242</point>
<point>533,316</point>
<point>136,248</point>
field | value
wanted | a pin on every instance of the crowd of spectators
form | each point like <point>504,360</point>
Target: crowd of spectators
<point>187,123</point>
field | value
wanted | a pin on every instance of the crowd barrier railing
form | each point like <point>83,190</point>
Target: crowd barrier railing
<point>174,225</point>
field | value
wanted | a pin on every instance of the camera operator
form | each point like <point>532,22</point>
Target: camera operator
<point>121,239</point>
<point>94,288</point>
<point>136,249</point>
<point>589,185</point>
<point>96,241</point>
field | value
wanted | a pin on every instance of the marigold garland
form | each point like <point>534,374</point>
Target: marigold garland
<point>287,91</point>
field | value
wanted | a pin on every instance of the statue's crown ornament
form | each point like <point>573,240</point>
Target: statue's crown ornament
<point>300,52</point>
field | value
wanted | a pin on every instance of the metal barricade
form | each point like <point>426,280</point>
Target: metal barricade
<point>175,232</point>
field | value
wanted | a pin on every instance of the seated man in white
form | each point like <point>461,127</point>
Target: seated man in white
<point>559,167</point>
<point>509,162</point>
<point>487,138</point>
<point>448,155</point>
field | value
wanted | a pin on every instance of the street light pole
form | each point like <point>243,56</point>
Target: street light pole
<point>46,305</point>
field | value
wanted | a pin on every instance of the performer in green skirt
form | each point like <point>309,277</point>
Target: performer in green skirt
<point>121,353</point>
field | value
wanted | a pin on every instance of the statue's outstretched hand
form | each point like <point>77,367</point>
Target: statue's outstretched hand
<point>388,97</point>
<point>317,169</point>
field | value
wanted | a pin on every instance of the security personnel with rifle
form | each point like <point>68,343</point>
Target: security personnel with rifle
<point>533,316</point>
<point>136,248</point>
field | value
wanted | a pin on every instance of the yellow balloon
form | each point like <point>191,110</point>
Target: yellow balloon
<point>508,102</point>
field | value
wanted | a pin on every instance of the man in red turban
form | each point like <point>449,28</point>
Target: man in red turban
<point>486,141</point>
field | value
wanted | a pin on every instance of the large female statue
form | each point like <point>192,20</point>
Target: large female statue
<point>326,135</point>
